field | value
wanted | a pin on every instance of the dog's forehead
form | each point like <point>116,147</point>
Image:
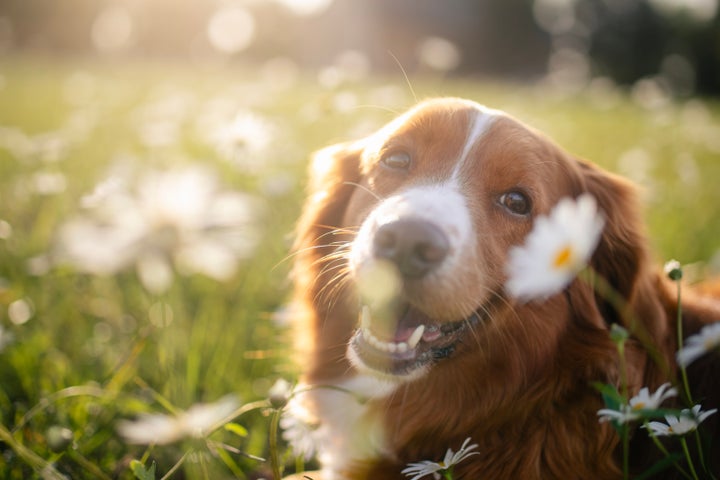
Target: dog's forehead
<point>445,113</point>
<point>458,123</point>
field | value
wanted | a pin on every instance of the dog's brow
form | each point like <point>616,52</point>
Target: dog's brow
<point>480,123</point>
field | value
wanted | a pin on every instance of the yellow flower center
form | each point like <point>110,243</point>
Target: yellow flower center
<point>638,406</point>
<point>563,257</point>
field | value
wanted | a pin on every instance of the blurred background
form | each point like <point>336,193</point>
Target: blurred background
<point>153,163</point>
<point>674,43</point>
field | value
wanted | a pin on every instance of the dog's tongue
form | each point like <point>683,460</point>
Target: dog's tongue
<point>408,323</point>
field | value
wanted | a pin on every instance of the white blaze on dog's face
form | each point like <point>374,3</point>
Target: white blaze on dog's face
<point>444,189</point>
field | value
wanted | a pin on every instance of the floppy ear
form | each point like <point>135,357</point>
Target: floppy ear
<point>320,325</point>
<point>333,170</point>
<point>621,254</point>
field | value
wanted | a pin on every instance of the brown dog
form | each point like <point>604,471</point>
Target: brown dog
<point>442,193</point>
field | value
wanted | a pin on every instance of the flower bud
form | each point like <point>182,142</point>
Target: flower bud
<point>280,393</point>
<point>618,334</point>
<point>673,270</point>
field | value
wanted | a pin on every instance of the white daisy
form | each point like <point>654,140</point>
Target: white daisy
<point>633,410</point>
<point>197,422</point>
<point>178,217</point>
<point>242,140</point>
<point>556,250</point>
<point>644,401</point>
<point>427,467</point>
<point>698,345</point>
<point>686,422</point>
<point>299,428</point>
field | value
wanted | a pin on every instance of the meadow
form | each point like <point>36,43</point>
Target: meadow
<point>146,217</point>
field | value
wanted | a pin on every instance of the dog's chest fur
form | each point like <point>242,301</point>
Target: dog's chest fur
<point>348,430</point>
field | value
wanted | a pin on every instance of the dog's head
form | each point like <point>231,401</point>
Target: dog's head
<point>404,241</point>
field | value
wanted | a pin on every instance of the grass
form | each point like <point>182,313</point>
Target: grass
<point>87,351</point>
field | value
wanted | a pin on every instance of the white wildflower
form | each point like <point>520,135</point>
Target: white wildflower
<point>243,140</point>
<point>178,217</point>
<point>427,467</point>
<point>686,422</point>
<point>556,250</point>
<point>633,410</point>
<point>197,422</point>
<point>299,428</point>
<point>698,345</point>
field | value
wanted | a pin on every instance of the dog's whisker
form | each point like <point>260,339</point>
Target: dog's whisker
<point>312,248</point>
<point>366,189</point>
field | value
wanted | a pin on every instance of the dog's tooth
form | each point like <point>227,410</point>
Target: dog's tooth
<point>365,318</point>
<point>389,347</point>
<point>416,336</point>
<point>376,342</point>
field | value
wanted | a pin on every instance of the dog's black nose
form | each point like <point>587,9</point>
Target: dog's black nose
<point>415,246</point>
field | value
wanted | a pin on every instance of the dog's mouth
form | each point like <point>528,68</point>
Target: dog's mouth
<point>406,342</point>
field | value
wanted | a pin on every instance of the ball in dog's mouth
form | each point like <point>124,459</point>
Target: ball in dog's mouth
<point>403,346</point>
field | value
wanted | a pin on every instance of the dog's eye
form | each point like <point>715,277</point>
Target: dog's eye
<point>516,202</point>
<point>397,160</point>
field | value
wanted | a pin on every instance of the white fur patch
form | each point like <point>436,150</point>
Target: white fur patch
<point>480,124</point>
<point>443,205</point>
<point>341,427</point>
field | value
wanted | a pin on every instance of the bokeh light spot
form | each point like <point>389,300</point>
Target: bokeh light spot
<point>20,311</point>
<point>113,30</point>
<point>439,54</point>
<point>231,29</point>
<point>697,10</point>
<point>306,7</point>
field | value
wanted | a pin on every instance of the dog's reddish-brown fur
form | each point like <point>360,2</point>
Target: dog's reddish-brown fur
<point>521,383</point>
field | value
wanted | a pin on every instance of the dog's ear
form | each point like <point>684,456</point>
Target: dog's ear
<point>333,171</point>
<point>621,254</point>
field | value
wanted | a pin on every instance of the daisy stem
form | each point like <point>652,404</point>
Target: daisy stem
<point>624,392</point>
<point>274,457</point>
<point>698,440</point>
<point>683,442</point>
<point>177,465</point>
<point>447,474</point>
<point>623,371</point>
<point>683,372</point>
<point>626,451</point>
<point>204,467</point>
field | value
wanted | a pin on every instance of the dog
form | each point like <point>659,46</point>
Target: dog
<point>410,343</point>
